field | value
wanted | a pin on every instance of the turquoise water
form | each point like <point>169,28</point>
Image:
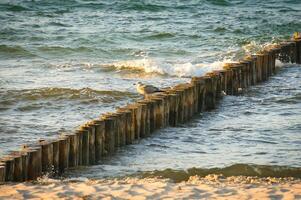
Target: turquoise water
<point>65,62</point>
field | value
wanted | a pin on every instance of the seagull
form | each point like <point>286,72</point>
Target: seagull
<point>146,89</point>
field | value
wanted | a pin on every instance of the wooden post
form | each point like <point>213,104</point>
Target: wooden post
<point>190,88</point>
<point>99,138</point>
<point>183,91</point>
<point>34,161</point>
<point>130,126</point>
<point>151,115</point>
<point>259,67</point>
<point>2,172</point>
<point>84,153</point>
<point>64,146</point>
<point>180,105</point>
<point>25,165</point>
<point>196,89</point>
<point>209,94</point>
<point>146,111</point>
<point>292,52</point>
<point>9,167</point>
<point>118,128</point>
<point>223,81</point>
<point>18,166</point>
<point>132,120</point>
<point>229,77</point>
<point>284,52</point>
<point>136,118</point>
<point>265,71</point>
<point>165,99</point>
<point>297,40</point>
<point>56,155</point>
<point>73,150</point>
<point>110,130</point>
<point>143,116</point>
<point>159,111</point>
<point>47,155</point>
<point>235,78</point>
<point>245,73</point>
<point>173,108</point>
<point>201,92</point>
<point>275,51</point>
<point>216,78</point>
<point>91,138</point>
<point>252,63</point>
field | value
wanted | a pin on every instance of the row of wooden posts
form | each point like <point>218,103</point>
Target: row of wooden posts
<point>103,136</point>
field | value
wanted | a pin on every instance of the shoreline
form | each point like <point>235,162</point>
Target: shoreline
<point>210,187</point>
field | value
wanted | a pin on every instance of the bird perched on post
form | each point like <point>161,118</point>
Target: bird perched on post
<point>146,89</point>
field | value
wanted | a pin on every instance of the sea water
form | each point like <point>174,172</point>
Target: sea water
<point>63,63</point>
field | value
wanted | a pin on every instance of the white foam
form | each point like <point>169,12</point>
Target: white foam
<point>180,69</point>
<point>279,63</point>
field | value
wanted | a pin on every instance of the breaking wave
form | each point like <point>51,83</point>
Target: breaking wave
<point>233,170</point>
<point>147,65</point>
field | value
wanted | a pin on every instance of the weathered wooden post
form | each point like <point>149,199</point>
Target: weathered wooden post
<point>91,139</point>
<point>110,131</point>
<point>190,88</point>
<point>119,127</point>
<point>180,105</point>
<point>223,81</point>
<point>18,166</point>
<point>245,82</point>
<point>297,40</point>
<point>173,109</point>
<point>236,76</point>
<point>56,155</point>
<point>143,116</point>
<point>184,106</point>
<point>200,81</point>
<point>25,165</point>
<point>34,161</point>
<point>146,109</point>
<point>130,126</point>
<point>252,69</point>
<point>275,51</point>
<point>9,163</point>
<point>83,135</point>
<point>152,115</point>
<point>216,77</point>
<point>259,67</point>
<point>165,109</point>
<point>209,94</point>
<point>99,137</point>
<point>64,146</point>
<point>136,110</point>
<point>122,128</point>
<point>196,89</point>
<point>159,111</point>
<point>73,150</point>
<point>2,172</point>
<point>47,155</point>
<point>265,72</point>
<point>292,52</point>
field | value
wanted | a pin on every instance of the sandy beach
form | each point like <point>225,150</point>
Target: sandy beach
<point>209,187</point>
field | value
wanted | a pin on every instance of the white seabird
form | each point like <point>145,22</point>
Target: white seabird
<point>146,89</point>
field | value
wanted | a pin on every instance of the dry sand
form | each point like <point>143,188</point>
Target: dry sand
<point>210,187</point>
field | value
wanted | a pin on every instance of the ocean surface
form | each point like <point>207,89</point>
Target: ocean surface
<point>65,62</point>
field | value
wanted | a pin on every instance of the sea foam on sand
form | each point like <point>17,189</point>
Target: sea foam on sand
<point>209,187</point>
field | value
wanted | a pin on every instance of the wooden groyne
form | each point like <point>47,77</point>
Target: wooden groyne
<point>103,136</point>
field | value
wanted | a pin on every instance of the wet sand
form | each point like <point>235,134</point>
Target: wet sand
<point>209,187</point>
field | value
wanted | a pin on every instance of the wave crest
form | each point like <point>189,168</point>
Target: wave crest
<point>147,65</point>
<point>233,170</point>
